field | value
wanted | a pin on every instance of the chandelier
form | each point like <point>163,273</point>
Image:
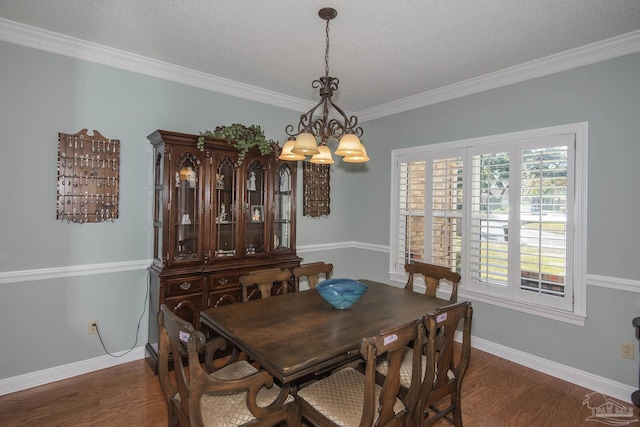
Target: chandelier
<point>302,143</point>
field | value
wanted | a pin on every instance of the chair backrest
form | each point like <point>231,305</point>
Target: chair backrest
<point>312,272</point>
<point>230,394</point>
<point>264,279</point>
<point>432,275</point>
<point>391,344</point>
<point>172,346</point>
<point>445,367</point>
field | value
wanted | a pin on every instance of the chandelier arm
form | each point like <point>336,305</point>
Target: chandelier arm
<point>350,123</point>
<point>316,126</point>
<point>306,122</point>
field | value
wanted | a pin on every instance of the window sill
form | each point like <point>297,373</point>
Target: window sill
<point>549,313</point>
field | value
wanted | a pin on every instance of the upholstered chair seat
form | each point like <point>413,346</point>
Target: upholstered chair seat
<point>339,397</point>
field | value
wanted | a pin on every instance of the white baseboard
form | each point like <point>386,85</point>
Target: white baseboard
<point>584,379</point>
<point>50,375</point>
<point>575,376</point>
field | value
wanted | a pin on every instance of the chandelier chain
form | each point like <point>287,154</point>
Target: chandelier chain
<point>326,53</point>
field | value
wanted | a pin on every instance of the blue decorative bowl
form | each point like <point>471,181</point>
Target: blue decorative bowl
<point>341,293</point>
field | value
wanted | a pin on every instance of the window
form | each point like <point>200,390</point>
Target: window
<point>507,212</point>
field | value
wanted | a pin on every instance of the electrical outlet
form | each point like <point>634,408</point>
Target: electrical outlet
<point>93,327</point>
<point>626,350</point>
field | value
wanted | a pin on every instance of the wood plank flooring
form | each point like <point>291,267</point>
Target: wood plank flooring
<point>496,393</point>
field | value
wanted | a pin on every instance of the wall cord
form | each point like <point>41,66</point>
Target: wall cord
<point>144,309</point>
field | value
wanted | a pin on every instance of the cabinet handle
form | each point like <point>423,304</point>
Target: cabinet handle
<point>185,286</point>
<point>222,281</point>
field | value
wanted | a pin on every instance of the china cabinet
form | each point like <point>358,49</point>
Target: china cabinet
<point>214,220</point>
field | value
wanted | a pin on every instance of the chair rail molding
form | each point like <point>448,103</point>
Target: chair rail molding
<point>613,283</point>
<point>71,271</point>
<point>616,283</point>
<point>342,245</point>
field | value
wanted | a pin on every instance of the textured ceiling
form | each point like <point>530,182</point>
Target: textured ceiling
<point>382,51</point>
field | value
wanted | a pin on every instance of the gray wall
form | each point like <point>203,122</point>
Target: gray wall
<point>607,95</point>
<point>43,94</point>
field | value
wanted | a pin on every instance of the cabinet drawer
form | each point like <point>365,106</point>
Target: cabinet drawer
<point>184,285</point>
<point>224,280</point>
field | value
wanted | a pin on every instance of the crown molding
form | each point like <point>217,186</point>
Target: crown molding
<point>614,47</point>
<point>37,38</point>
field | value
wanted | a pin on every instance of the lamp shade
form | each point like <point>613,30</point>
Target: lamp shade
<point>323,157</point>
<point>305,144</point>
<point>349,145</point>
<point>357,158</point>
<point>287,154</point>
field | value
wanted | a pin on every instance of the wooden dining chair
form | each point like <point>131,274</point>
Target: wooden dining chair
<point>432,275</point>
<point>312,272</point>
<point>349,398</point>
<point>235,395</point>
<point>264,280</point>
<point>458,313</point>
<point>445,366</point>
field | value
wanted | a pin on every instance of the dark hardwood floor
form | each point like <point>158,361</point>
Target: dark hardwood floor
<point>496,393</point>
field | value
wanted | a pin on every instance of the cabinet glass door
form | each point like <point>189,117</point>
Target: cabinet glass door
<point>282,209</point>
<point>226,208</point>
<point>158,186</point>
<point>254,236</point>
<point>186,210</point>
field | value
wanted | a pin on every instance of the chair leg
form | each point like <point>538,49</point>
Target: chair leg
<point>293,416</point>
<point>457,410</point>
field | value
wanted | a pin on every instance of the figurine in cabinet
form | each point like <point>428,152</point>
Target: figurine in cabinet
<point>223,214</point>
<point>251,182</point>
<point>256,215</point>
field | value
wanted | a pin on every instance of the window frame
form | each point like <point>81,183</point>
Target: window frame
<point>576,256</point>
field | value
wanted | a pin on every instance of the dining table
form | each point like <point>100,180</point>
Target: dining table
<point>299,334</point>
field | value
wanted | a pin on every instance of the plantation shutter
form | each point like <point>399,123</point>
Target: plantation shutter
<point>489,219</point>
<point>545,224</point>
<point>446,212</point>
<point>411,202</point>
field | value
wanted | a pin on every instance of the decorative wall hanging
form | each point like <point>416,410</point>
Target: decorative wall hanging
<point>316,189</point>
<point>88,177</point>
